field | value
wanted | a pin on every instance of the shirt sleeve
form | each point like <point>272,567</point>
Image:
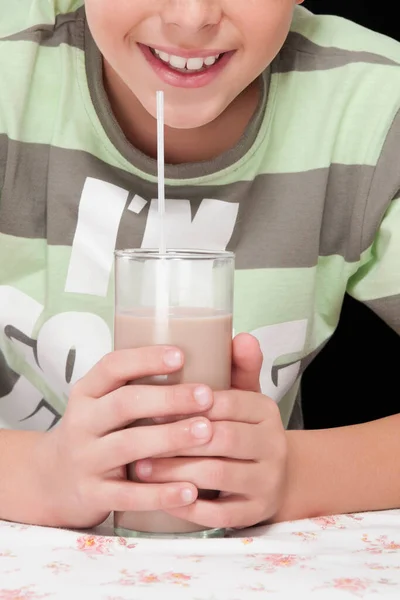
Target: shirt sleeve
<point>376,281</point>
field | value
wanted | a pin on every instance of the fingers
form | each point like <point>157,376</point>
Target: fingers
<point>231,406</point>
<point>128,496</point>
<point>205,473</point>
<point>225,513</point>
<point>129,445</point>
<point>130,403</point>
<point>238,441</point>
<point>117,368</point>
<point>247,362</point>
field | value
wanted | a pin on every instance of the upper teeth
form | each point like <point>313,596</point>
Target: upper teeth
<point>191,64</point>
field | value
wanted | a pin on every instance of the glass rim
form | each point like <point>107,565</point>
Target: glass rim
<point>173,254</point>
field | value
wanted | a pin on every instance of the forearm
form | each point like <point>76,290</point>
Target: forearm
<point>22,494</point>
<point>343,470</point>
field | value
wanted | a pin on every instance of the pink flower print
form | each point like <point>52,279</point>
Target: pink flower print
<point>91,544</point>
<point>257,587</point>
<point>354,585</point>
<point>124,542</point>
<point>355,517</point>
<point>178,578</point>
<point>380,567</point>
<point>58,567</point>
<point>328,521</point>
<point>306,536</point>
<point>281,560</point>
<point>193,558</point>
<point>23,593</point>
<point>380,545</point>
<point>146,577</point>
<point>126,578</point>
<point>7,554</point>
<point>247,541</point>
<point>269,563</point>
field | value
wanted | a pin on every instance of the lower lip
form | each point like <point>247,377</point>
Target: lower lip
<point>183,80</point>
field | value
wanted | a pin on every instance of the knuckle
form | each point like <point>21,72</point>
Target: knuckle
<point>107,363</point>
<point>72,420</point>
<point>122,408</point>
<point>175,399</point>
<point>272,409</point>
<point>227,436</point>
<point>227,402</point>
<point>175,435</point>
<point>215,473</point>
<point>120,442</point>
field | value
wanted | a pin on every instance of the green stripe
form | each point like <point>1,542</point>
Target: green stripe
<point>379,277</point>
<point>19,15</point>
<point>327,31</point>
<point>318,291</point>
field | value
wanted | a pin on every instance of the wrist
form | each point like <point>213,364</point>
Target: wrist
<point>22,481</point>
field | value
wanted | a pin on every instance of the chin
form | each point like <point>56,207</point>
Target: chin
<point>184,116</point>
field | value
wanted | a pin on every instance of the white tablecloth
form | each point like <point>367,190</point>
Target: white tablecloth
<point>344,557</point>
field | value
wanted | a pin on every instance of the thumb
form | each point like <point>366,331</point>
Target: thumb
<point>247,361</point>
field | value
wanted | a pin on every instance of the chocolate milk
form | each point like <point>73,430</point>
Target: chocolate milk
<point>205,338</point>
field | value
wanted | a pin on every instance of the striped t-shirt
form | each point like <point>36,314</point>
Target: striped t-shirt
<point>308,200</point>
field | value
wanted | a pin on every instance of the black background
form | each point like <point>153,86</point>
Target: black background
<point>355,378</point>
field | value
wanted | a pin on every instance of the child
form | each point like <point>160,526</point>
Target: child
<point>282,143</point>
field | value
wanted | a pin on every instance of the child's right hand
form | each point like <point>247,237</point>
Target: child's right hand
<point>82,461</point>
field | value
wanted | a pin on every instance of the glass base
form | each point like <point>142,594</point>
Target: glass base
<point>204,534</point>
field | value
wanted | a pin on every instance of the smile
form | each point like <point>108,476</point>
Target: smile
<point>188,65</point>
<point>184,69</point>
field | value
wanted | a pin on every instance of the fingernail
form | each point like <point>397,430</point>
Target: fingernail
<point>187,495</point>
<point>202,396</point>
<point>173,358</point>
<point>144,468</point>
<point>200,429</point>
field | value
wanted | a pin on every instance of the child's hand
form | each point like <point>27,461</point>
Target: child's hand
<point>83,460</point>
<point>250,443</point>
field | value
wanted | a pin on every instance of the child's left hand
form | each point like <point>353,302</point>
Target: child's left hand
<point>249,442</point>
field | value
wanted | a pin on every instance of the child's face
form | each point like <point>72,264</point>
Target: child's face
<point>247,34</point>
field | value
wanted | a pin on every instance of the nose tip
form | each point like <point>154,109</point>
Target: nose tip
<point>192,15</point>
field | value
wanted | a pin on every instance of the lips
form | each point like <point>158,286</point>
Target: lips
<point>186,71</point>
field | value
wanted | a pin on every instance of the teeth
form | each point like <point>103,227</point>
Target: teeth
<point>194,64</point>
<point>163,55</point>
<point>177,61</point>
<point>181,63</point>
<point>210,60</point>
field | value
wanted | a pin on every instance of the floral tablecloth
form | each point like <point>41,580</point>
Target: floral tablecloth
<point>344,557</point>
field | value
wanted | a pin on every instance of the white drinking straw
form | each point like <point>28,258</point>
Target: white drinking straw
<point>161,170</point>
<point>162,288</point>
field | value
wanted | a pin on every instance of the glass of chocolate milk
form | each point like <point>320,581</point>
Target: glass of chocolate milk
<point>182,298</point>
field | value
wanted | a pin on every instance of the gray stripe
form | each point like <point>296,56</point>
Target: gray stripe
<point>290,218</point>
<point>385,184</point>
<point>301,54</point>
<point>296,420</point>
<point>67,29</point>
<point>387,309</point>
